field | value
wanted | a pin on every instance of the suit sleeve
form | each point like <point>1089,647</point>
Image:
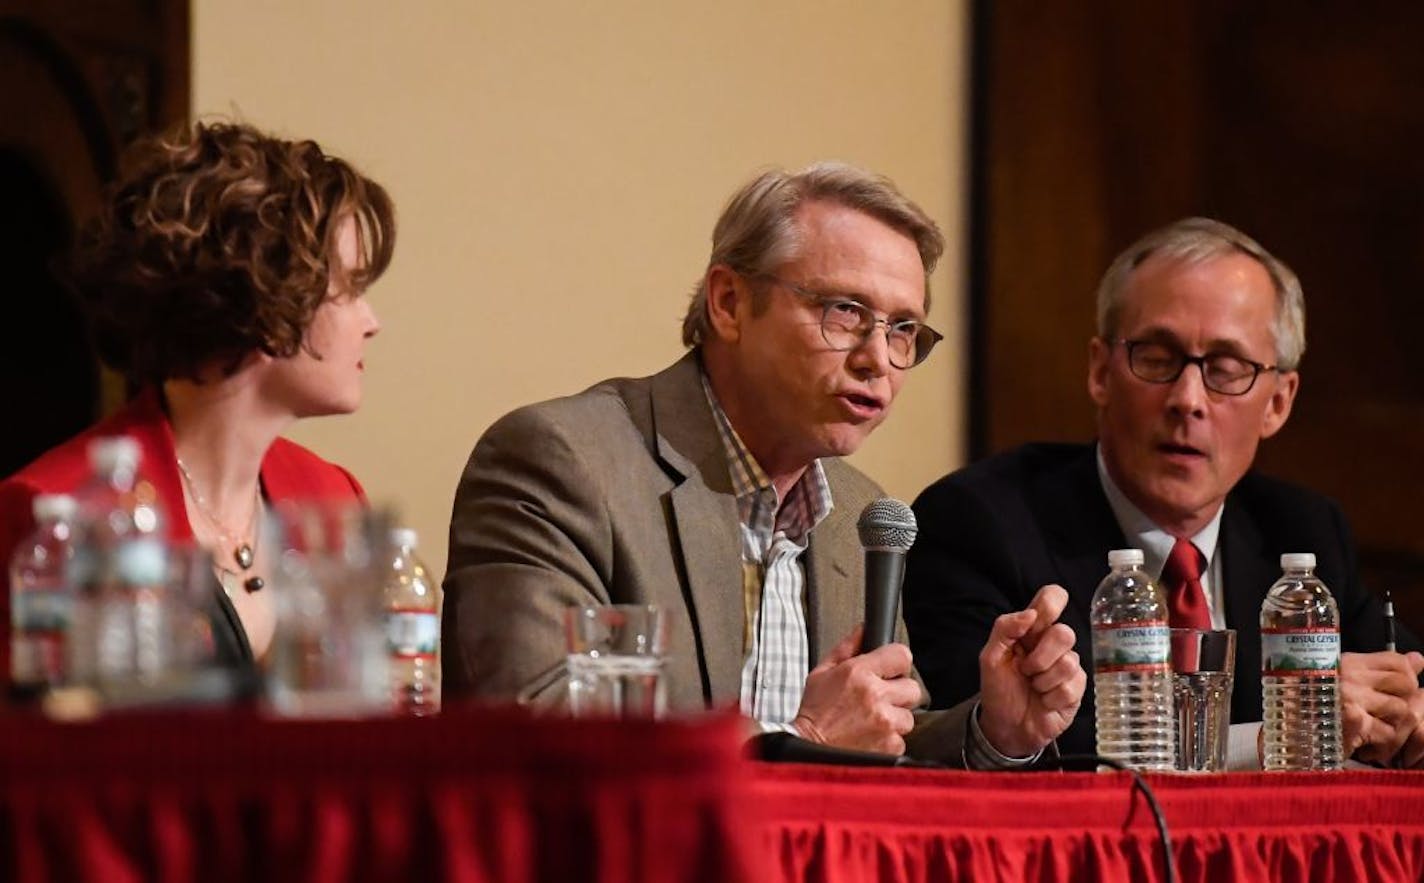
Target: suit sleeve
<point>960,576</point>
<point>529,536</point>
<point>940,735</point>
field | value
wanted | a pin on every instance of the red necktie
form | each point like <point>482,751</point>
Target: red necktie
<point>1181,578</point>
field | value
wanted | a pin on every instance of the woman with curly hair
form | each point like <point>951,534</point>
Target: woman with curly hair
<point>224,278</point>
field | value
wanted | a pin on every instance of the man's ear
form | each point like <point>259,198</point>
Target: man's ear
<point>1278,409</point>
<point>728,302</point>
<point>1099,362</point>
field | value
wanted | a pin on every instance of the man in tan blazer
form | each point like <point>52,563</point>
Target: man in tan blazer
<point>714,490</point>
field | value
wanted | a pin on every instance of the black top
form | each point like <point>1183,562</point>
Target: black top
<point>231,649</point>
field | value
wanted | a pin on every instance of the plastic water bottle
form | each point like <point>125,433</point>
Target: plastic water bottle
<point>1300,670</point>
<point>412,605</point>
<point>40,598</point>
<point>1132,671</point>
<point>119,632</point>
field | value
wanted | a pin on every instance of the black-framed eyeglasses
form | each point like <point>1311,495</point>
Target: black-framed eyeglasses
<point>1157,362</point>
<point>847,324</point>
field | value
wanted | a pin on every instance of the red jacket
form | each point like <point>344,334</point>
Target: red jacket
<point>289,472</point>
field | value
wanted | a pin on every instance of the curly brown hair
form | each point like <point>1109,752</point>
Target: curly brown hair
<point>217,241</point>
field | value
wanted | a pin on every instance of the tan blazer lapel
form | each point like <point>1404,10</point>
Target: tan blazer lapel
<point>705,512</point>
<point>833,601</point>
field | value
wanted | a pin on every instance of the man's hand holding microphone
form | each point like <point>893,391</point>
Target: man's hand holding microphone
<point>860,696</point>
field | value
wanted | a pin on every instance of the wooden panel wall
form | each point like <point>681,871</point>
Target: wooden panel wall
<point>1303,124</point>
<point>79,80</point>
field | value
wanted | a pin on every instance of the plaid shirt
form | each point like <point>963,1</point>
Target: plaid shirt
<point>774,535</point>
<point>774,592</point>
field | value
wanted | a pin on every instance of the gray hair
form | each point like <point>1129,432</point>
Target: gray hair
<point>1196,240</point>
<point>757,231</point>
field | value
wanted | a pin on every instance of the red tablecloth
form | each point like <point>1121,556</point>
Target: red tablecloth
<point>491,796</point>
<point>472,797</point>
<point>846,826</point>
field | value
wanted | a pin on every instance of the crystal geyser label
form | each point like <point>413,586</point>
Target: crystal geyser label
<point>1132,646</point>
<point>1300,652</point>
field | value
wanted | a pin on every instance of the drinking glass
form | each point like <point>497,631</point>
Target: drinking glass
<point>327,657</point>
<point>615,660</point>
<point>1203,662</point>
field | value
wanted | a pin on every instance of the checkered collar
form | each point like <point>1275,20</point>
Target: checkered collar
<point>807,503</point>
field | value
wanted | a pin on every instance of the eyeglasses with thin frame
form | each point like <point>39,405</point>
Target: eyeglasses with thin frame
<point>846,324</point>
<point>1157,362</point>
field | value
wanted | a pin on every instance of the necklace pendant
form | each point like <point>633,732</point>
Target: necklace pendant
<point>243,556</point>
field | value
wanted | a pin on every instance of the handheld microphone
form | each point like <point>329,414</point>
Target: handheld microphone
<point>887,530</point>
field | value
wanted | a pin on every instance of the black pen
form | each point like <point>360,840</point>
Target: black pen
<point>1388,622</point>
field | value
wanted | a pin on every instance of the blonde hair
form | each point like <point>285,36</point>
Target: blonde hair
<point>757,231</point>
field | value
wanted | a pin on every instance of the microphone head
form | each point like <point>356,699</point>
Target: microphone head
<point>887,523</point>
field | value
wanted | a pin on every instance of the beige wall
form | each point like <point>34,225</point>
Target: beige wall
<point>557,167</point>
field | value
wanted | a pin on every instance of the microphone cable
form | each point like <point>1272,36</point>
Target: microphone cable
<point>1074,761</point>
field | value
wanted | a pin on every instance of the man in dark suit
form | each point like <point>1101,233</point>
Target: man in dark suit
<point>714,489</point>
<point>1200,332</point>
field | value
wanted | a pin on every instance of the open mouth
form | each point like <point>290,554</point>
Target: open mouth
<point>863,405</point>
<point>1179,450</point>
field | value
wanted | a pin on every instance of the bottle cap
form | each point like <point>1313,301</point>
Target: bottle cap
<point>1298,561</point>
<point>113,452</point>
<point>54,507</point>
<point>404,537</point>
<point>1125,558</point>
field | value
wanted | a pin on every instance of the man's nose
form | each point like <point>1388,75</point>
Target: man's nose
<point>872,354</point>
<point>1188,393</point>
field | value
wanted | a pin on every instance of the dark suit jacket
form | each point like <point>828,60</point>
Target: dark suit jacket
<point>289,472</point>
<point>621,494</point>
<point>993,533</point>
